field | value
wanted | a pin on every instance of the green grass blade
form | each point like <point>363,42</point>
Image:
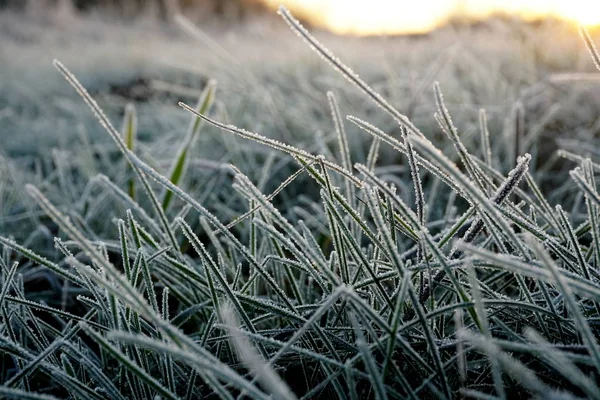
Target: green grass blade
<point>129,132</point>
<point>180,161</point>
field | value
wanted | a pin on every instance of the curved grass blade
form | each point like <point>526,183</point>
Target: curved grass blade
<point>585,187</point>
<point>291,150</point>
<point>263,372</point>
<point>345,71</point>
<point>201,364</point>
<point>107,125</point>
<point>559,360</point>
<point>36,258</point>
<point>515,368</point>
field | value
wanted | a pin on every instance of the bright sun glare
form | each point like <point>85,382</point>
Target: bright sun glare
<point>366,17</point>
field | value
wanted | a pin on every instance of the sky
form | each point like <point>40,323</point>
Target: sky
<point>417,16</point>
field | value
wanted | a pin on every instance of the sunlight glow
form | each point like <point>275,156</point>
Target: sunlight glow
<point>367,17</point>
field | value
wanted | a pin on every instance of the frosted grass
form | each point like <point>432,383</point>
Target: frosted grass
<point>333,279</point>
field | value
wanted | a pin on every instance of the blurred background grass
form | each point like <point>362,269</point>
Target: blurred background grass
<point>271,83</point>
<point>164,9</point>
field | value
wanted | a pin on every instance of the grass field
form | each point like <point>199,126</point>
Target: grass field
<point>191,212</point>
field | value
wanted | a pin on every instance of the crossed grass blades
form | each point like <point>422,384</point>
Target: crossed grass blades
<point>369,297</point>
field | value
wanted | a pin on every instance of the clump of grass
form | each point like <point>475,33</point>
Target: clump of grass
<point>371,296</point>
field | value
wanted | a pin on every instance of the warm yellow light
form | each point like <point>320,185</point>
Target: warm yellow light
<point>365,17</point>
<point>585,12</point>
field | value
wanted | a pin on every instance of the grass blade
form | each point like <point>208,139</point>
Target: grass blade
<point>180,161</point>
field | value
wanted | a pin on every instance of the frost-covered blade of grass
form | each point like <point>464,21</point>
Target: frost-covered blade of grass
<point>273,143</point>
<point>590,46</point>
<point>263,372</point>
